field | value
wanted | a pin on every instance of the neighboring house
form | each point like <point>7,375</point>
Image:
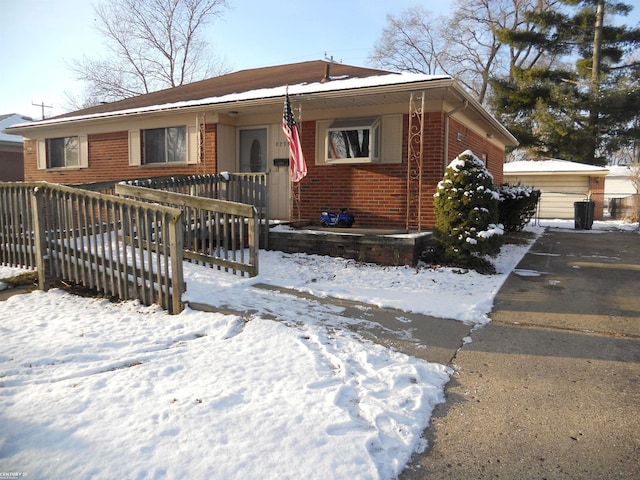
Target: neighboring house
<point>619,182</point>
<point>562,183</point>
<point>11,150</point>
<point>620,194</point>
<point>234,123</point>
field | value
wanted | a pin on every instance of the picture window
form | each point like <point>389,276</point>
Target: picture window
<point>63,152</point>
<point>353,141</point>
<point>165,145</point>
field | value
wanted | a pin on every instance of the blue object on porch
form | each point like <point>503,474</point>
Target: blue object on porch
<point>333,219</point>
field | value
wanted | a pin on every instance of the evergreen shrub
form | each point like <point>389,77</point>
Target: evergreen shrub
<point>467,212</point>
<point>518,206</point>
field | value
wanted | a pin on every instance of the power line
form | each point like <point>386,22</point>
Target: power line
<point>42,106</point>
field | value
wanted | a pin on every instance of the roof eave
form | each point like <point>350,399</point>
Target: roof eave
<point>508,137</point>
<point>276,97</point>
<point>595,173</point>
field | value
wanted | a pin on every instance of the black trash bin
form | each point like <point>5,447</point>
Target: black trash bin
<point>583,215</point>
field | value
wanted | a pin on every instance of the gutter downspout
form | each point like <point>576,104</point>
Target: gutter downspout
<point>447,115</point>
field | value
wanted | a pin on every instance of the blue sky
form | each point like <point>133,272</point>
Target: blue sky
<point>39,38</point>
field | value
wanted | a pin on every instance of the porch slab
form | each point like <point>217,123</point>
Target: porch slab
<point>368,245</point>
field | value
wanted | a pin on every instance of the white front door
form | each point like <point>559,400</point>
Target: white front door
<point>253,150</point>
<point>265,149</point>
<point>279,186</point>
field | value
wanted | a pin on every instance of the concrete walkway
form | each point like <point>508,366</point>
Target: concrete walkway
<point>550,388</point>
<point>429,338</point>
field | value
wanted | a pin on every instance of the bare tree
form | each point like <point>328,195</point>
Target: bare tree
<point>411,42</point>
<point>467,45</point>
<point>152,44</point>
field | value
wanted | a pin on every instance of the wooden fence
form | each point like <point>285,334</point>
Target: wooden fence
<point>122,247</point>
<point>625,207</point>
<point>17,247</point>
<point>216,232</point>
<point>247,188</point>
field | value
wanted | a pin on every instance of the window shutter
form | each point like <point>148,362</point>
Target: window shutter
<point>41,154</point>
<point>192,145</point>
<point>321,141</point>
<point>392,139</point>
<point>134,148</point>
<point>84,151</point>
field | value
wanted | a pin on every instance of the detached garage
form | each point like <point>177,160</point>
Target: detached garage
<point>561,182</point>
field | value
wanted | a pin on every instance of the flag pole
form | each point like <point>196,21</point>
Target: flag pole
<point>296,185</point>
<point>297,164</point>
<point>292,193</point>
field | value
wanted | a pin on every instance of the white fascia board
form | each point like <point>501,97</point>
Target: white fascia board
<point>256,96</point>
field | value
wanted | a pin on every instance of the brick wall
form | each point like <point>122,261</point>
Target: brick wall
<point>479,145</point>
<point>108,160</point>
<point>11,166</point>
<point>596,187</point>
<point>210,164</point>
<point>377,193</point>
<point>374,193</point>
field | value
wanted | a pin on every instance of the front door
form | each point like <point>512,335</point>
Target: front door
<point>253,150</point>
<point>279,185</point>
<point>262,149</point>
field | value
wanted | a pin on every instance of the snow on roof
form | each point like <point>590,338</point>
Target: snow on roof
<point>550,165</point>
<point>619,171</point>
<point>338,84</point>
<point>9,120</point>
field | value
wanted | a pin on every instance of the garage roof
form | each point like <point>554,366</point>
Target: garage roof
<point>552,166</point>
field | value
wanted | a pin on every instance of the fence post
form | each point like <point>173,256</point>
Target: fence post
<point>37,210</point>
<point>176,249</point>
<point>254,241</point>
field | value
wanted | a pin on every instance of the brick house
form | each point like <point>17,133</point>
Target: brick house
<point>407,128</point>
<point>11,158</point>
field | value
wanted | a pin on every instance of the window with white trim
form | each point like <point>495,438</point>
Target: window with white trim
<point>353,141</point>
<point>164,145</point>
<point>63,152</point>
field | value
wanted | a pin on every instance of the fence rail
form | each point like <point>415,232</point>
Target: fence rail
<point>623,206</point>
<point>248,188</point>
<point>17,247</point>
<point>122,247</point>
<point>215,232</point>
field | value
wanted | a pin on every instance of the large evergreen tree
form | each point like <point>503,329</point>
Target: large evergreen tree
<point>584,103</point>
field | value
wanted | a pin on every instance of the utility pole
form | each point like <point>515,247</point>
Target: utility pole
<point>42,106</point>
<point>596,70</point>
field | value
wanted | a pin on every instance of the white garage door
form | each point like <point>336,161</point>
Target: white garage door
<point>559,192</point>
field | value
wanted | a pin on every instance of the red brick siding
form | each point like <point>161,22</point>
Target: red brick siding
<point>596,187</point>
<point>377,193</point>
<point>11,166</point>
<point>478,145</point>
<point>210,164</point>
<point>108,160</point>
<point>374,193</point>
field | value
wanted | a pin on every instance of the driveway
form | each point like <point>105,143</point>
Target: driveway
<point>551,387</point>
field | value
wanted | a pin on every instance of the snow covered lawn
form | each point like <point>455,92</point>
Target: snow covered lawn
<point>91,389</point>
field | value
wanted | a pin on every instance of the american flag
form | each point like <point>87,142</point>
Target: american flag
<point>298,165</point>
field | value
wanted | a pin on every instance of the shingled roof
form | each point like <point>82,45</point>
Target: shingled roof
<point>237,82</point>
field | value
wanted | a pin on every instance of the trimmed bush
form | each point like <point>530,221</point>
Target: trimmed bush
<point>466,209</point>
<point>518,206</point>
